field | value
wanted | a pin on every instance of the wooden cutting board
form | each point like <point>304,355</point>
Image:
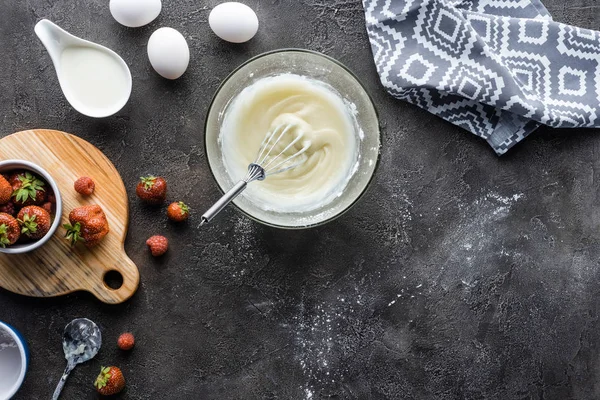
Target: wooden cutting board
<point>57,269</point>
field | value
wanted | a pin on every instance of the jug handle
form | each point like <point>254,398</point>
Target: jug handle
<point>53,38</point>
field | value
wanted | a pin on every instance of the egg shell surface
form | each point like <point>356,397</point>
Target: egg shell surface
<point>135,13</point>
<point>234,22</point>
<point>168,53</point>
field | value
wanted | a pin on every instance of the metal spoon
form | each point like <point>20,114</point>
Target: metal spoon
<point>81,341</point>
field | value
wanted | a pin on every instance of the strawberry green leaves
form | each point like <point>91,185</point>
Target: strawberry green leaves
<point>4,241</point>
<point>28,224</point>
<point>30,185</point>
<point>184,208</point>
<point>148,181</point>
<point>102,379</point>
<point>73,233</point>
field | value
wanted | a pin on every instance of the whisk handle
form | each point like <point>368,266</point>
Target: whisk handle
<point>224,201</point>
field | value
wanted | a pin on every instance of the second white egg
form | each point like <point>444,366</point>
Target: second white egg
<point>168,53</point>
<point>234,22</point>
<point>135,13</point>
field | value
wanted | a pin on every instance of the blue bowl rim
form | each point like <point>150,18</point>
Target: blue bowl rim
<point>24,350</point>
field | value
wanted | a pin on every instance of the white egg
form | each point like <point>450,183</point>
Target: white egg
<point>135,13</point>
<point>234,22</point>
<point>168,52</point>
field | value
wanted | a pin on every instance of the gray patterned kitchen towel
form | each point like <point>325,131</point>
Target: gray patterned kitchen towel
<point>498,68</point>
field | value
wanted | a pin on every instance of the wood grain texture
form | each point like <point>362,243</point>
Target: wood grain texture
<point>56,268</point>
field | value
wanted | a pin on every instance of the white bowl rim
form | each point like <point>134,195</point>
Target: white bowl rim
<point>11,331</point>
<point>57,217</point>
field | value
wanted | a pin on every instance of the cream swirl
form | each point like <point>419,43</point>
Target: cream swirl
<point>313,110</point>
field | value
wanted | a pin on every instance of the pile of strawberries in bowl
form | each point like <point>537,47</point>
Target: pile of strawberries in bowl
<point>29,206</point>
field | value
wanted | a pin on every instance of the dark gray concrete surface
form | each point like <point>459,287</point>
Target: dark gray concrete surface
<point>460,275</point>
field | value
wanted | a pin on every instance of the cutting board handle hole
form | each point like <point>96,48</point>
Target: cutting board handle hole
<point>113,279</point>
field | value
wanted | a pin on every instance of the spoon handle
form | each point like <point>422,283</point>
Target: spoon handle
<point>62,381</point>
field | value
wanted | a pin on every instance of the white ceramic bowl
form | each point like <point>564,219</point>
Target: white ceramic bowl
<point>10,165</point>
<point>318,67</point>
<point>14,359</point>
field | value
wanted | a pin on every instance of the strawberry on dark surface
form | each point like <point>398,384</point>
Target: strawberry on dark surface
<point>28,189</point>
<point>110,381</point>
<point>34,221</point>
<point>5,190</point>
<point>88,225</point>
<point>178,211</point>
<point>152,190</point>
<point>158,245</point>
<point>126,341</point>
<point>84,186</point>
<point>9,230</point>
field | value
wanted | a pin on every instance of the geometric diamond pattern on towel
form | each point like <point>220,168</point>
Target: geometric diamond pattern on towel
<point>497,68</point>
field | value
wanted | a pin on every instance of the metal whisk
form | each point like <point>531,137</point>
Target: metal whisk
<point>269,161</point>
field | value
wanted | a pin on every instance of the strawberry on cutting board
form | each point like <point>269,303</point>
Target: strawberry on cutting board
<point>84,186</point>
<point>9,230</point>
<point>35,222</point>
<point>88,225</point>
<point>28,189</point>
<point>152,190</point>
<point>110,381</point>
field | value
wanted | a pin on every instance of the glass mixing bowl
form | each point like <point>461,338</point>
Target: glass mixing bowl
<point>312,65</point>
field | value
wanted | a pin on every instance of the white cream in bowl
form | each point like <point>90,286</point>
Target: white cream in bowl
<point>313,109</point>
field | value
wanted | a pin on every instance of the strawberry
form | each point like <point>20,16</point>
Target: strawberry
<point>48,207</point>
<point>152,189</point>
<point>126,341</point>
<point>110,381</point>
<point>8,208</point>
<point>6,190</point>
<point>158,245</point>
<point>35,222</point>
<point>9,230</point>
<point>13,178</point>
<point>178,211</point>
<point>27,188</point>
<point>88,224</point>
<point>84,186</point>
<point>51,197</point>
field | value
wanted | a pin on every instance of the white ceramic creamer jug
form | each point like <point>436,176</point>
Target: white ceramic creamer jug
<point>94,79</point>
